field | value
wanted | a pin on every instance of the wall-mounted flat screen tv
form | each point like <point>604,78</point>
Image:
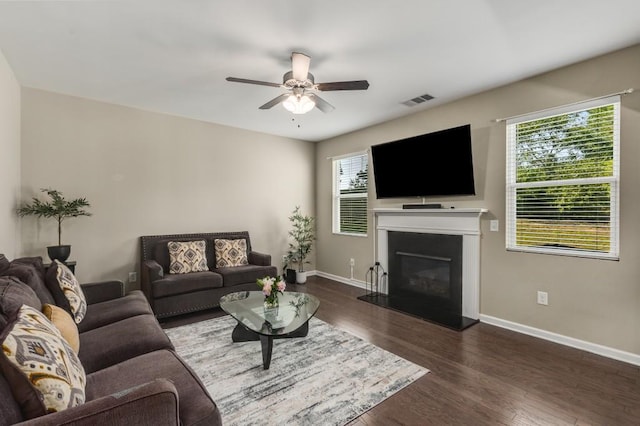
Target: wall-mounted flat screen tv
<point>434,164</point>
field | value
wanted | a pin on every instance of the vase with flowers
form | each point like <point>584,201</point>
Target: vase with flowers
<point>271,286</point>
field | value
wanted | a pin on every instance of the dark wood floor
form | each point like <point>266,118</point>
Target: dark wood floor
<point>483,375</point>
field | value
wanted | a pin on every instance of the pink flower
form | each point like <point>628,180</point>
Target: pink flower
<point>269,285</point>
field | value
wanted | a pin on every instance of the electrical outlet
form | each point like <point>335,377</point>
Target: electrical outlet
<point>543,298</point>
<point>133,277</point>
<point>352,262</point>
<point>494,226</point>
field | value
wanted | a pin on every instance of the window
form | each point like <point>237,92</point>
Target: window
<point>562,180</point>
<point>350,187</point>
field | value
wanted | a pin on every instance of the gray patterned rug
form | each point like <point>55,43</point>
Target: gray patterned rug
<point>329,377</point>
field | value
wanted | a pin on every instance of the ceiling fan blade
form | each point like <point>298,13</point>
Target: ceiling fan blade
<point>344,85</point>
<point>275,101</point>
<point>261,83</point>
<point>321,104</point>
<point>300,66</point>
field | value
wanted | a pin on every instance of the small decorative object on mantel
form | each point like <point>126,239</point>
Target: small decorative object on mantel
<point>270,288</point>
<point>60,209</point>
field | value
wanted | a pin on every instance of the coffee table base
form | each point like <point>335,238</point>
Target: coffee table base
<point>242,334</point>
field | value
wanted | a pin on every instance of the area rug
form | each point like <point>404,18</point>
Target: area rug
<point>329,377</point>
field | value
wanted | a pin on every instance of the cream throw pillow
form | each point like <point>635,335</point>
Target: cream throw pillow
<point>231,253</point>
<point>187,256</point>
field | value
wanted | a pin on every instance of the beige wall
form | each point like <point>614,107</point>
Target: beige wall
<point>9,159</point>
<point>146,173</point>
<point>596,301</point>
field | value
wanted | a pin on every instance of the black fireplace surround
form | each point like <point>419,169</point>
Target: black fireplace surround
<point>424,278</point>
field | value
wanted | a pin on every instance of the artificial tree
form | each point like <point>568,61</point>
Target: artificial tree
<point>302,233</point>
<point>60,209</point>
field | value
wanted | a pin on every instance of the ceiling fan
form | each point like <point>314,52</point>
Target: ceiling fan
<point>300,96</point>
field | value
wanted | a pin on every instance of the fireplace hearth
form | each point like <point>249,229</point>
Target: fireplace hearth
<point>432,263</point>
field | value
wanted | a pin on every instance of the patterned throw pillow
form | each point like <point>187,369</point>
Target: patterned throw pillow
<point>231,253</point>
<point>66,290</point>
<point>44,373</point>
<point>187,256</point>
<point>64,323</point>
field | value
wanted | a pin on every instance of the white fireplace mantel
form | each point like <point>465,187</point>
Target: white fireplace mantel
<point>465,222</point>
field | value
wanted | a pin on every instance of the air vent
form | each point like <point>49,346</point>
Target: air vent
<point>418,100</point>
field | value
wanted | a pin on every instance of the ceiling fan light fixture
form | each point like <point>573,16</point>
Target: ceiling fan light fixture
<point>298,104</point>
<point>299,80</point>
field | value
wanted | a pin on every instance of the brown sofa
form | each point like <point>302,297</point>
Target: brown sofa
<point>176,294</point>
<point>133,374</point>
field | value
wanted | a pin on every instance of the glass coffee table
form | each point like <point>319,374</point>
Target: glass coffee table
<point>255,322</point>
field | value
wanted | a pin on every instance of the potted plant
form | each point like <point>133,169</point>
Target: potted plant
<point>288,272</point>
<point>60,209</point>
<point>302,233</point>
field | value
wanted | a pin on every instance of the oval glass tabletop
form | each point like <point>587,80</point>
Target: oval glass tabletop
<point>247,307</point>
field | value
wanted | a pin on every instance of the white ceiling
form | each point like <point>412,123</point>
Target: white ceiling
<point>173,56</point>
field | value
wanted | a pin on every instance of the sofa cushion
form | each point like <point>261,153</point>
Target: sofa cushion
<point>230,253</point>
<point>106,346</point>
<point>44,372</point>
<point>10,412</point>
<point>179,304</point>
<point>30,270</point>
<point>4,263</point>
<point>196,406</point>
<point>110,311</point>
<point>13,294</point>
<point>187,256</point>
<point>64,323</point>
<point>66,290</point>
<point>245,274</point>
<point>178,284</point>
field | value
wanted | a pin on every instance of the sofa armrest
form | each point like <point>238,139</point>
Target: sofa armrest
<point>154,403</point>
<point>260,259</point>
<point>152,269</point>
<point>102,291</point>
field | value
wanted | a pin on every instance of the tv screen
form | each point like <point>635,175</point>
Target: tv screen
<point>433,164</point>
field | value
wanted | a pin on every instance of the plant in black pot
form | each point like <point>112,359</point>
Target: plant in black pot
<point>302,233</point>
<point>288,271</point>
<point>60,209</point>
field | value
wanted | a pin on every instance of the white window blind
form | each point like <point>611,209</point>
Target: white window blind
<point>562,180</point>
<point>350,189</point>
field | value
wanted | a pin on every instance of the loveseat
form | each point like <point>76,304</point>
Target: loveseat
<point>128,371</point>
<point>224,262</point>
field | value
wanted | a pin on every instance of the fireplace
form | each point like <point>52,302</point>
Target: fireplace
<point>431,258</point>
<point>426,267</point>
<point>424,276</point>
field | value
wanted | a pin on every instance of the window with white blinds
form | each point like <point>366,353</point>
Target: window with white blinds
<point>350,188</point>
<point>562,180</point>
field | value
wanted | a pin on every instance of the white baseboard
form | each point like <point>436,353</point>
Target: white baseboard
<point>595,348</point>
<point>348,281</point>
